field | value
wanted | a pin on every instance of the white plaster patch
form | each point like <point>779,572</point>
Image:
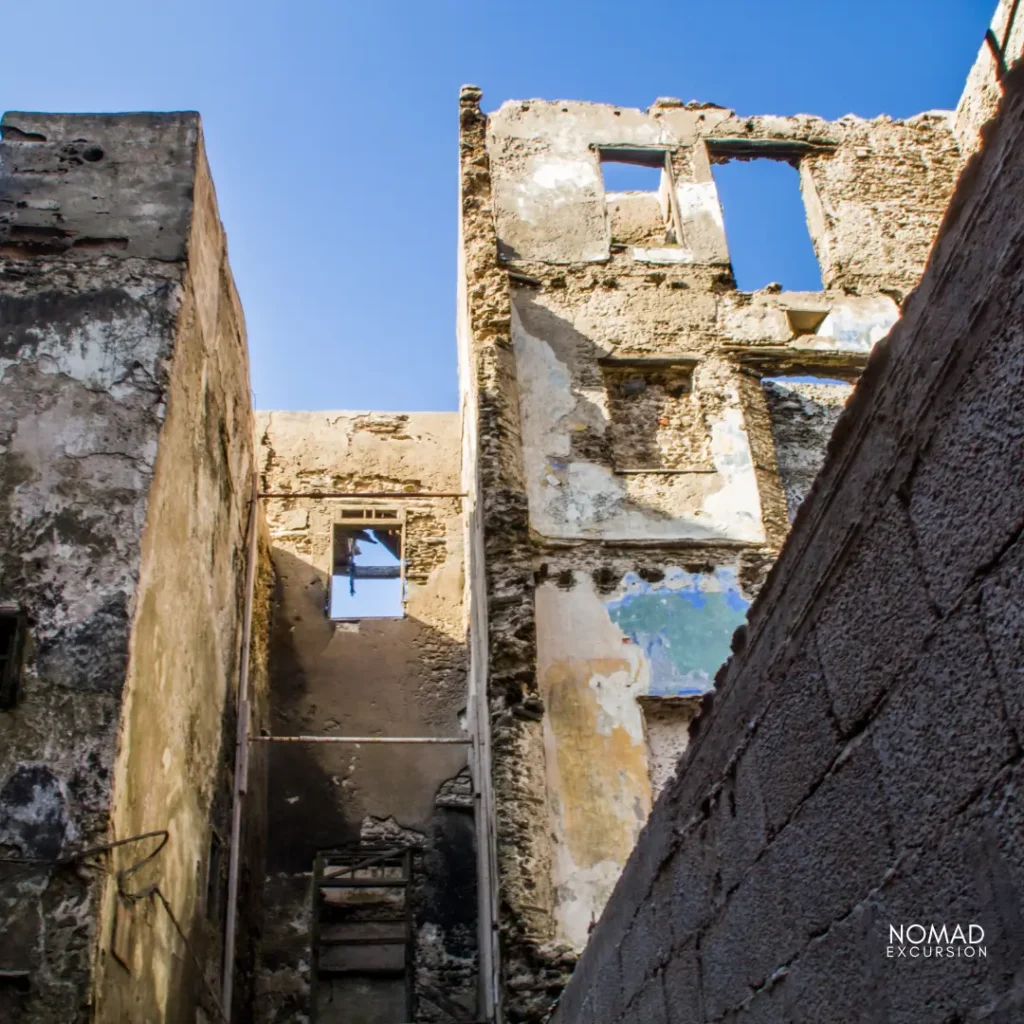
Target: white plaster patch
<point>558,173</point>
<point>580,901</point>
<point>855,325</point>
<point>737,502</point>
<point>699,199</point>
<point>666,255</point>
<point>616,695</point>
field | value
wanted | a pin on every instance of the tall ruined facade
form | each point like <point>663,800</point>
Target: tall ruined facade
<point>394,939</point>
<point>645,434</point>
<point>390,717</point>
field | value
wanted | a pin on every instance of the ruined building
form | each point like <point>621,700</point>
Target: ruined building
<point>379,718</point>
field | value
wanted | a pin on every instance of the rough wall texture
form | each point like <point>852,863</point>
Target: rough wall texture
<point>504,650</point>
<point>860,764</point>
<point>389,677</point>
<point>659,475</point>
<point>1000,50</point>
<point>803,415</point>
<point>176,748</point>
<point>114,289</point>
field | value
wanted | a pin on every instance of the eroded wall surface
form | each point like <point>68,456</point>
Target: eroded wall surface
<point>860,765</point>
<point>91,287</point>
<point>661,428</point>
<point>176,747</point>
<point>127,468</point>
<point>376,677</point>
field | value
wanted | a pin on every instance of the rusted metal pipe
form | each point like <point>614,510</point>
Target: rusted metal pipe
<point>466,741</point>
<point>241,759</point>
<point>362,494</point>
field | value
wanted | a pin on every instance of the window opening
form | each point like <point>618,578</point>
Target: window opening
<point>619,176</point>
<point>803,411</point>
<point>367,581</point>
<point>638,195</point>
<point>12,635</point>
<point>766,224</point>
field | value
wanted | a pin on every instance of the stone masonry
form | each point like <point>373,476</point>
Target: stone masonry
<point>676,677</point>
<point>643,434</point>
<point>859,766</point>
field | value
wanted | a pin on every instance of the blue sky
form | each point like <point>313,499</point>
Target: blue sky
<point>331,128</point>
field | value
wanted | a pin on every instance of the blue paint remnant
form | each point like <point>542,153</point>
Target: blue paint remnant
<point>683,623</point>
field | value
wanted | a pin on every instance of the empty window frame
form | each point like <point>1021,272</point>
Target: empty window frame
<point>12,645</point>
<point>656,420</point>
<point>367,575</point>
<point>639,195</point>
<point>765,219</point>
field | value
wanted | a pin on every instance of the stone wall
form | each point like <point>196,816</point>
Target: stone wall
<point>642,409</point>
<point>126,467</point>
<point>375,677</point>
<point>176,747</point>
<point>859,766</point>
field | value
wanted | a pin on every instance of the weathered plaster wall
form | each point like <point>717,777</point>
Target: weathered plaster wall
<point>389,677</point>
<point>659,475</point>
<point>94,225</point>
<point>176,745</point>
<point>613,645</point>
<point>826,794</point>
<point>874,190</point>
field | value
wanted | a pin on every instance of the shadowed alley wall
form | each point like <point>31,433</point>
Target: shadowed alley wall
<point>377,677</point>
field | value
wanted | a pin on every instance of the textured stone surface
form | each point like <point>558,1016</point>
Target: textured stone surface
<point>876,690</point>
<point>611,377</point>
<point>127,472</point>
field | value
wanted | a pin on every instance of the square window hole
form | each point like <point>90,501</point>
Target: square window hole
<point>366,571</point>
<point>638,195</point>
<point>766,225</point>
<point>627,177</point>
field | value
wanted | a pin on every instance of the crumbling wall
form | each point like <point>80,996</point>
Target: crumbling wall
<point>94,220</point>
<point>624,640</point>
<point>383,677</point>
<point>859,767</point>
<point>128,456</point>
<point>1000,50</point>
<point>174,769</point>
<point>659,474</point>
<point>507,707</point>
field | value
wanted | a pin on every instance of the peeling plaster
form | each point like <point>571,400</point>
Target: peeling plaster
<point>683,624</point>
<point>577,498</point>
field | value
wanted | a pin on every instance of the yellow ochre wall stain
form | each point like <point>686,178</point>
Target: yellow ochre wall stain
<point>603,791</point>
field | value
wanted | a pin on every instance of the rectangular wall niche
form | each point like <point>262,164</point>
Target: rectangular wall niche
<point>656,420</point>
<point>638,195</point>
<point>367,578</point>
